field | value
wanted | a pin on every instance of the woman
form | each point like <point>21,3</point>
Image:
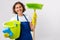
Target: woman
<point>26,25</point>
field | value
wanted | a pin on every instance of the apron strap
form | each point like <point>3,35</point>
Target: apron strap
<point>24,16</point>
<point>17,18</point>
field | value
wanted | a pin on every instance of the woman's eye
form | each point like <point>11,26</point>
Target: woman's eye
<point>16,7</point>
<point>20,7</point>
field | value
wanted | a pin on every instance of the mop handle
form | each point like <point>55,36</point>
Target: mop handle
<point>34,24</point>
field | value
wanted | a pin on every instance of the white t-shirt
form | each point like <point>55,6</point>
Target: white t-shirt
<point>21,18</point>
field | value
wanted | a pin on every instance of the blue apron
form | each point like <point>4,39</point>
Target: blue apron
<point>25,30</point>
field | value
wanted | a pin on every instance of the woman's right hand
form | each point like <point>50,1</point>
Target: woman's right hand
<point>6,35</point>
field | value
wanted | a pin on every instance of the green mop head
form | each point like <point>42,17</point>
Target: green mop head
<point>34,5</point>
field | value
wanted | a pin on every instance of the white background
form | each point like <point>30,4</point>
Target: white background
<point>48,21</point>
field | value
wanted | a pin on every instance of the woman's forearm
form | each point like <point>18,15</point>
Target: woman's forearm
<point>32,26</point>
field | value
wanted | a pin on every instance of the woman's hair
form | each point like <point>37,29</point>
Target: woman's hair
<point>20,4</point>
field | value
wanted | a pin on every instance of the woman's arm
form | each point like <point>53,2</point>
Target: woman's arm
<point>32,26</point>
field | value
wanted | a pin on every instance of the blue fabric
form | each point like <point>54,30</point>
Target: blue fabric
<point>7,30</point>
<point>25,30</point>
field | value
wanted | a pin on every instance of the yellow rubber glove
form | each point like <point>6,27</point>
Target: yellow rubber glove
<point>6,35</point>
<point>34,18</point>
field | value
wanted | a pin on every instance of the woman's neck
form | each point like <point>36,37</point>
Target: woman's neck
<point>20,14</point>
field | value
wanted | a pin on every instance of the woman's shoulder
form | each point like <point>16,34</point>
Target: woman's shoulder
<point>13,18</point>
<point>28,17</point>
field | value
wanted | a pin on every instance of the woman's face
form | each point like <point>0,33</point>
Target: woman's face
<point>18,8</point>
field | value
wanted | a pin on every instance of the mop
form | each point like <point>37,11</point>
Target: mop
<point>34,17</point>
